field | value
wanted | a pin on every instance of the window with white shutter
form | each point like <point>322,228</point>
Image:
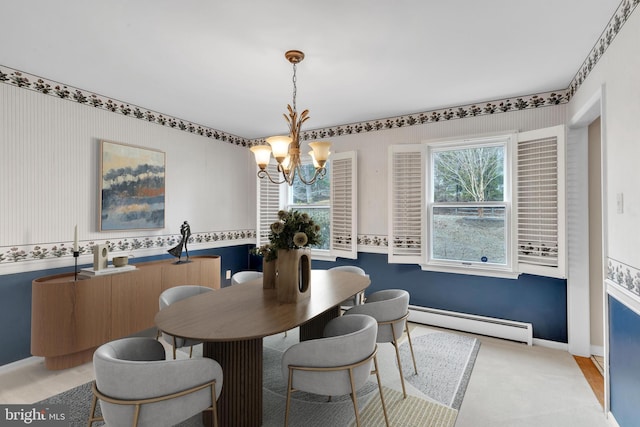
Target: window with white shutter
<point>331,202</point>
<point>530,216</point>
<point>406,203</point>
<point>344,201</point>
<point>540,187</point>
<point>268,205</point>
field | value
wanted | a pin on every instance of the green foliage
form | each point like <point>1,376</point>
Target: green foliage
<point>294,230</point>
<point>265,251</point>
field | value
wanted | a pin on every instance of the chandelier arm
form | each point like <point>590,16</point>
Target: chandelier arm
<point>265,173</point>
<point>318,174</point>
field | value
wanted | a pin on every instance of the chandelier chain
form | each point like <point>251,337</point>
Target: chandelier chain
<point>295,87</point>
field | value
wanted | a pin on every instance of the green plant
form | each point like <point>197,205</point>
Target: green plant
<point>265,251</point>
<point>293,230</point>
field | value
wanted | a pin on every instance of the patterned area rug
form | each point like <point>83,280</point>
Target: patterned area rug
<point>445,362</point>
<point>440,378</point>
<point>409,412</point>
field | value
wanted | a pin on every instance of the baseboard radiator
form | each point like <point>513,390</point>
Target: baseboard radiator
<point>499,328</point>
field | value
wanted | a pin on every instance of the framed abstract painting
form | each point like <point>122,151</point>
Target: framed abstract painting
<point>132,187</point>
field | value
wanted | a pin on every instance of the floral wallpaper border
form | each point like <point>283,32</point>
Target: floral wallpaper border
<point>612,29</point>
<point>373,241</point>
<point>624,276</point>
<point>48,87</point>
<point>15,254</point>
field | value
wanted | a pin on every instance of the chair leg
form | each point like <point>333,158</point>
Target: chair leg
<point>92,413</point>
<point>174,348</point>
<point>289,387</point>
<point>136,415</point>
<point>395,345</point>
<point>354,398</point>
<point>214,405</point>
<point>190,352</point>
<point>415,367</point>
<point>384,407</point>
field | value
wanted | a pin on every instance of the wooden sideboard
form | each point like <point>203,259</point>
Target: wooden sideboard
<point>70,319</point>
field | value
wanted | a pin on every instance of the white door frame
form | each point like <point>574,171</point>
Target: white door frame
<point>578,311</point>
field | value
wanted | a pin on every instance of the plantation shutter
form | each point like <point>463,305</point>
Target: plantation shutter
<point>541,247</point>
<point>268,204</point>
<point>406,204</point>
<point>344,202</point>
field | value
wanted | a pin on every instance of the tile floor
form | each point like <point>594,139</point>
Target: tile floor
<point>512,385</point>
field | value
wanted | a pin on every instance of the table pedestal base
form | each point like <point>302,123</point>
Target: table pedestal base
<point>314,328</point>
<point>240,403</point>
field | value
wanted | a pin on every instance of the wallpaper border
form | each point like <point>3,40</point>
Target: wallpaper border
<point>48,87</point>
<point>131,245</point>
<point>624,276</point>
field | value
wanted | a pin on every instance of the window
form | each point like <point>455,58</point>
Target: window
<point>314,199</point>
<point>331,202</point>
<point>487,206</point>
<point>468,205</point>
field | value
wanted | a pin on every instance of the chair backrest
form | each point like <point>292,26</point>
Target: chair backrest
<point>384,306</point>
<point>175,294</point>
<point>135,368</point>
<point>245,276</point>
<point>348,340</point>
<point>350,268</point>
<point>178,293</point>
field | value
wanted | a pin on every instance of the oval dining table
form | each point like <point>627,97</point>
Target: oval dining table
<point>232,321</point>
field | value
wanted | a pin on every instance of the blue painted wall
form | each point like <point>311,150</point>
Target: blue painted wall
<point>624,363</point>
<point>541,301</point>
<point>15,298</point>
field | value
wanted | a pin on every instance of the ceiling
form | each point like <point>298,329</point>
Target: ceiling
<point>221,64</point>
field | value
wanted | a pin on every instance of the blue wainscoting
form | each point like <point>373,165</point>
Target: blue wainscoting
<point>541,301</point>
<point>624,363</point>
<point>15,298</point>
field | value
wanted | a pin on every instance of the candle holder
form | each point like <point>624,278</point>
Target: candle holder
<point>76,254</point>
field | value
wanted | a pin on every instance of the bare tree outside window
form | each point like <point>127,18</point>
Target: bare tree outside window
<point>468,209</point>
<point>472,174</point>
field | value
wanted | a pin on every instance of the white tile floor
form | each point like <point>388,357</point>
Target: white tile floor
<point>512,385</point>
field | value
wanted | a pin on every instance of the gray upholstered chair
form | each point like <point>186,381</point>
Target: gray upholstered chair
<point>357,298</point>
<point>136,386</point>
<point>171,296</point>
<point>390,308</point>
<point>245,276</point>
<point>338,364</point>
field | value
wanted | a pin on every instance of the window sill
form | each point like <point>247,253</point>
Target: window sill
<point>471,270</point>
<point>320,256</point>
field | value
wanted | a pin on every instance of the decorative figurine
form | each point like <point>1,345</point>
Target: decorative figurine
<point>176,251</point>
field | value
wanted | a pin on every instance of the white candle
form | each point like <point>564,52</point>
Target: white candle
<point>75,239</point>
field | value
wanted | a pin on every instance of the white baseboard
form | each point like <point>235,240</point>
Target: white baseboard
<point>33,360</point>
<point>597,350</point>
<point>611,420</point>
<point>551,344</point>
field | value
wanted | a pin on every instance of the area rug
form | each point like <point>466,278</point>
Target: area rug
<point>445,362</point>
<point>310,410</point>
<point>409,412</point>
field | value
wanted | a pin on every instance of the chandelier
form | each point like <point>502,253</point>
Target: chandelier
<point>286,148</point>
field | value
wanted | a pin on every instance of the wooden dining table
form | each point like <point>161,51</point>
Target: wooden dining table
<point>232,321</point>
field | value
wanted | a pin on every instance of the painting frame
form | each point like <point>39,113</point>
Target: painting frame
<point>132,186</point>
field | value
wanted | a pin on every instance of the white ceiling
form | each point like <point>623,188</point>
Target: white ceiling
<point>221,64</point>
